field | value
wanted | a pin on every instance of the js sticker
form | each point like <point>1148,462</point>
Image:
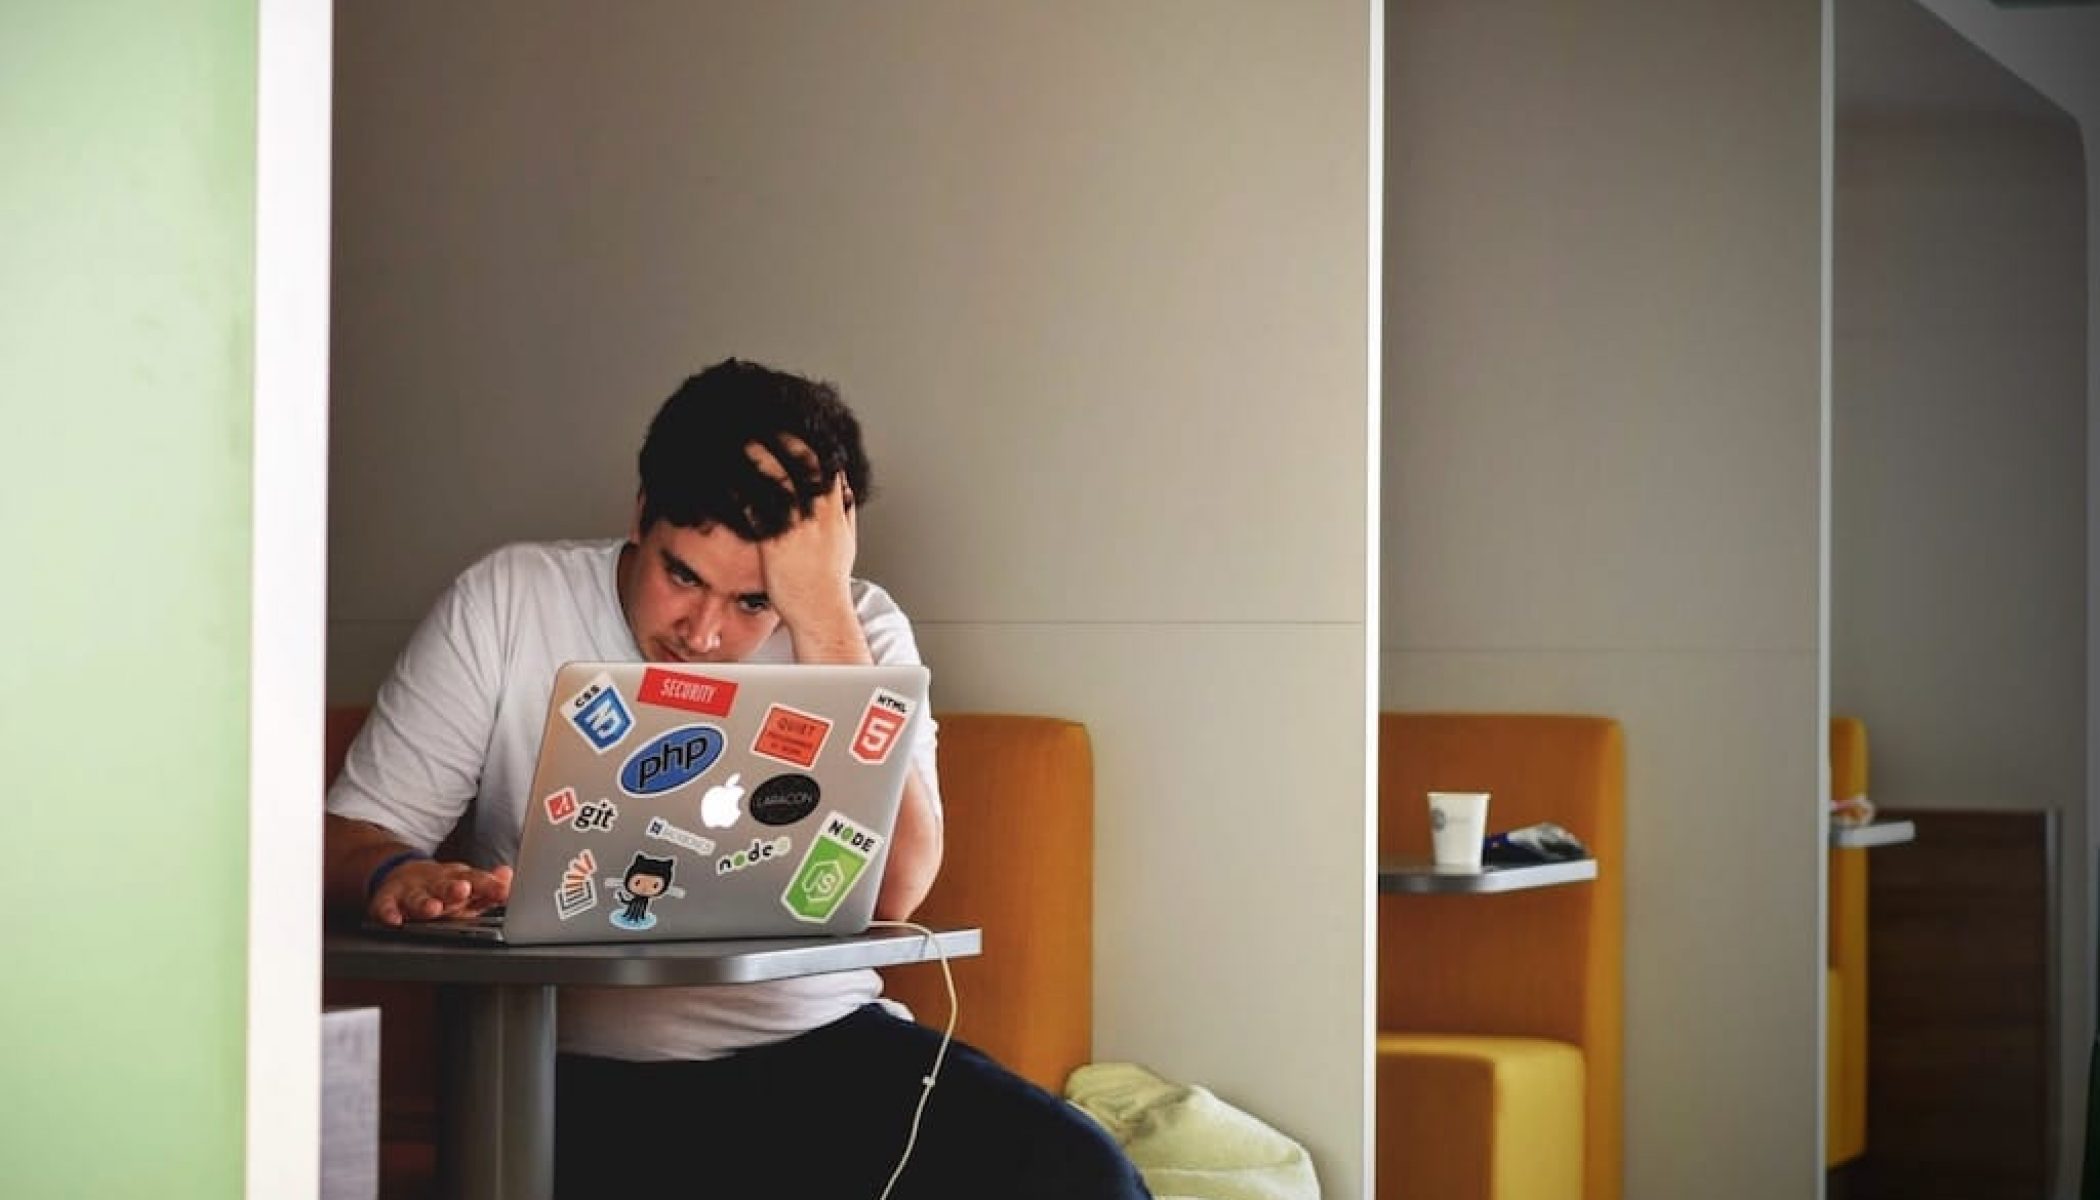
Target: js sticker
<point>598,714</point>
<point>836,860</point>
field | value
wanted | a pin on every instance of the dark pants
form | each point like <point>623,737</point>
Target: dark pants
<point>825,1115</point>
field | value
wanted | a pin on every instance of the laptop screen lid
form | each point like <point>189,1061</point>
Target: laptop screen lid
<point>713,800</point>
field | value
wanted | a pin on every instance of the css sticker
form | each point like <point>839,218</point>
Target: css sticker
<point>879,726</point>
<point>664,831</point>
<point>791,736</point>
<point>578,892</point>
<point>718,808</point>
<point>785,799</point>
<point>598,713</point>
<point>835,862</point>
<point>560,806</point>
<point>760,851</point>
<point>671,761</point>
<point>693,693</point>
<point>647,880</point>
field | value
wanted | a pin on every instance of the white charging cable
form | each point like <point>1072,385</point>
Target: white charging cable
<point>947,1035</point>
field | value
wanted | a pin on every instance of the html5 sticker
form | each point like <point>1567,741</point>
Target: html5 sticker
<point>693,693</point>
<point>791,736</point>
<point>880,726</point>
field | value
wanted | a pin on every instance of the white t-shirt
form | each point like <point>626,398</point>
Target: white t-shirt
<point>456,730</point>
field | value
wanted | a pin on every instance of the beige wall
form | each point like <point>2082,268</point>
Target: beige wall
<point>1959,466</point>
<point>1602,454</point>
<point>1096,278</point>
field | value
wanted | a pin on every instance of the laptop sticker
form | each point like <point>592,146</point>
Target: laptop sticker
<point>598,714</point>
<point>836,860</point>
<point>578,892</point>
<point>646,881</point>
<point>664,831</point>
<point>784,799</point>
<point>791,736</point>
<point>598,814</point>
<point>560,806</point>
<point>693,693</point>
<point>880,726</point>
<point>760,851</point>
<point>671,760</point>
<point>718,808</point>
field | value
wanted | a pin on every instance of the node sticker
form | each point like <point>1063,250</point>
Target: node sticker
<point>598,714</point>
<point>693,693</point>
<point>791,736</point>
<point>759,851</point>
<point>880,725</point>
<point>834,863</point>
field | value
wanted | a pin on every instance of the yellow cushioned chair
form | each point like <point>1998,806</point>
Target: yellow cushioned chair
<point>1500,1016</point>
<point>1845,1112</point>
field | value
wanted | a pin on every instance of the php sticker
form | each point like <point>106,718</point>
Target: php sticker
<point>672,760</point>
<point>785,799</point>
<point>835,862</point>
<point>693,693</point>
<point>791,736</point>
<point>879,726</point>
<point>664,831</point>
<point>560,806</point>
<point>598,713</point>
<point>598,814</point>
<point>578,892</point>
<point>759,851</point>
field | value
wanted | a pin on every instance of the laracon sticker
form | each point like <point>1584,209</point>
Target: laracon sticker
<point>835,862</point>
<point>598,714</point>
<point>785,799</point>
<point>647,880</point>
<point>598,814</point>
<point>664,831</point>
<point>560,806</point>
<point>880,726</point>
<point>578,892</point>
<point>673,760</point>
<point>719,808</point>
<point>759,851</point>
<point>693,693</point>
<point>791,736</point>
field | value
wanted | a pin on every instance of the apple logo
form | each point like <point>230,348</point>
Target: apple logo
<point>718,808</point>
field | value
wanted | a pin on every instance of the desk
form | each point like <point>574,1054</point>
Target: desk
<point>497,1011</point>
<point>1872,834</point>
<point>1419,876</point>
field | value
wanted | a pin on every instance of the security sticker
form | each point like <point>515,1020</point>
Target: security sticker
<point>791,736</point>
<point>760,851</point>
<point>835,862</point>
<point>599,714</point>
<point>664,831</point>
<point>560,806</point>
<point>879,726</point>
<point>598,814</point>
<point>578,892</point>
<point>784,799</point>
<point>646,881</point>
<point>693,693</point>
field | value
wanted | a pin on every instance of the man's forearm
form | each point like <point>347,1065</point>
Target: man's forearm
<point>916,846</point>
<point>350,852</point>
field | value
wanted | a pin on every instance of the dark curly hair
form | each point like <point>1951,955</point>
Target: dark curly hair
<point>695,472</point>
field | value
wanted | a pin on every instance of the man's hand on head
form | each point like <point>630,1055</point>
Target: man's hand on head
<point>809,565</point>
<point>428,891</point>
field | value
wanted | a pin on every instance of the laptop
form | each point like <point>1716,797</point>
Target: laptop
<point>715,800</point>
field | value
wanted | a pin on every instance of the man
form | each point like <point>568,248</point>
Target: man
<point>741,549</point>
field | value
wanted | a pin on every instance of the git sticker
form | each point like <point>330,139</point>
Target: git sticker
<point>560,806</point>
<point>879,726</point>
<point>578,892</point>
<point>836,860</point>
<point>791,736</point>
<point>693,693</point>
<point>598,714</point>
<point>598,814</point>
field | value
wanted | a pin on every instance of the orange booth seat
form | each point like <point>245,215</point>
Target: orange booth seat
<point>1845,1004</point>
<point>1018,792</point>
<point>1500,1016</point>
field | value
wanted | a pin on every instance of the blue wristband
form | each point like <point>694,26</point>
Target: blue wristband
<point>386,868</point>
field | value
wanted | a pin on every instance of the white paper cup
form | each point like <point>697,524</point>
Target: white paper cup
<point>1457,826</point>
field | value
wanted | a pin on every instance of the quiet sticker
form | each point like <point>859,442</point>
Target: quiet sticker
<point>693,693</point>
<point>879,726</point>
<point>791,736</point>
<point>598,714</point>
<point>835,862</point>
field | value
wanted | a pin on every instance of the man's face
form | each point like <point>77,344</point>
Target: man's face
<point>694,595</point>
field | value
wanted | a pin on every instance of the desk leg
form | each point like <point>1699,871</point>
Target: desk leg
<point>497,1139</point>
